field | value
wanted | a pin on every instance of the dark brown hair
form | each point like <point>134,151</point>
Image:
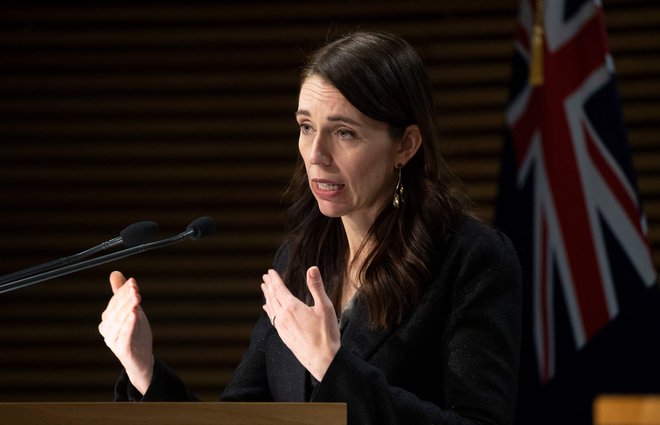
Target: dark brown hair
<point>383,77</point>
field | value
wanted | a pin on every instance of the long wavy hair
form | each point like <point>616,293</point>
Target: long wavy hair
<point>383,77</point>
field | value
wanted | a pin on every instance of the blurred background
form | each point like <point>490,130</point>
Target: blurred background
<point>116,112</point>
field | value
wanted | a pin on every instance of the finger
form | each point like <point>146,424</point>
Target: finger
<point>265,281</point>
<point>268,311</point>
<point>315,285</point>
<point>109,329</point>
<point>267,295</point>
<point>278,289</point>
<point>126,331</point>
<point>127,291</point>
<point>122,304</point>
<point>115,335</point>
<point>125,320</point>
<point>270,294</point>
<point>113,322</point>
<point>269,299</point>
<point>117,280</point>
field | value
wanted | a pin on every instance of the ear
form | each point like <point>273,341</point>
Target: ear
<point>409,144</point>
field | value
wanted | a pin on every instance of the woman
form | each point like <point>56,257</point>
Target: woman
<point>428,297</point>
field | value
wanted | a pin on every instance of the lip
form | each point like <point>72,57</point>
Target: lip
<point>326,189</point>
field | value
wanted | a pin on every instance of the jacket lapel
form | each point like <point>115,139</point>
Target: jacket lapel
<point>288,382</point>
<point>358,337</point>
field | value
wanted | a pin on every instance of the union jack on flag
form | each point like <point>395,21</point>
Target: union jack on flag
<point>587,254</point>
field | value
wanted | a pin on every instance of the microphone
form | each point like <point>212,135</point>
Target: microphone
<point>135,234</point>
<point>199,228</point>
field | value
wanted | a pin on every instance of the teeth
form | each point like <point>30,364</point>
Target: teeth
<point>328,186</point>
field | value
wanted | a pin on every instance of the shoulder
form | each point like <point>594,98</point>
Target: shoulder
<point>471,236</point>
<point>473,253</point>
<point>281,258</point>
<point>469,230</point>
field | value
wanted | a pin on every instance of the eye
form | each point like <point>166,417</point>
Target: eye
<point>306,128</point>
<point>345,134</point>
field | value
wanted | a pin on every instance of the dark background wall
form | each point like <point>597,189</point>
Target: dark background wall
<point>111,113</point>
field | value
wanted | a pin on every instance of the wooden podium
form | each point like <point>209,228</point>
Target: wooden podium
<point>627,410</point>
<point>179,413</point>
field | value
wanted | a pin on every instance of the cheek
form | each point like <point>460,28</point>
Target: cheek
<point>303,152</point>
<point>371,175</point>
<point>384,176</point>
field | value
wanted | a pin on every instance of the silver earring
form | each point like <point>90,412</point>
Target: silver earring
<point>398,191</point>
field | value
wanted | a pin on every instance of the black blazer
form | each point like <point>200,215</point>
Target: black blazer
<point>453,360</point>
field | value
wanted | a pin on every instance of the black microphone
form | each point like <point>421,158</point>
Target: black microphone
<point>135,234</point>
<point>199,228</point>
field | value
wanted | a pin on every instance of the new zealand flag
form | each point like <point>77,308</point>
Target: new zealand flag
<point>569,201</point>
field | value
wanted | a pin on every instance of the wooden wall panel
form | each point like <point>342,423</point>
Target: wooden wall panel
<point>113,113</point>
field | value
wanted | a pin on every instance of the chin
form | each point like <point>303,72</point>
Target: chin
<point>332,211</point>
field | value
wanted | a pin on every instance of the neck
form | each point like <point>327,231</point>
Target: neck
<point>355,234</point>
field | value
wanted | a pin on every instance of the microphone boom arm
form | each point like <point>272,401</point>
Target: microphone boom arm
<point>83,265</point>
<point>135,234</point>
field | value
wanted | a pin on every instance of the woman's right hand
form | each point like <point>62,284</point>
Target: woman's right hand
<point>127,332</point>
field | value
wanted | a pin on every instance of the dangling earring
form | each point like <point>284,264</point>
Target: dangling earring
<point>398,191</point>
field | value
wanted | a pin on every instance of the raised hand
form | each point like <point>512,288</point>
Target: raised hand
<point>126,330</point>
<point>311,333</point>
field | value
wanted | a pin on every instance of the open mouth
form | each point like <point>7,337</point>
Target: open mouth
<point>328,187</point>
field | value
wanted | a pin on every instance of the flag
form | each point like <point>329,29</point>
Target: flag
<point>568,199</point>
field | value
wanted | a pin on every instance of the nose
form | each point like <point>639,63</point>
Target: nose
<point>319,151</point>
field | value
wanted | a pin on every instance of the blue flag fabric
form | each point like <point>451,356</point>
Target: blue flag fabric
<point>569,200</point>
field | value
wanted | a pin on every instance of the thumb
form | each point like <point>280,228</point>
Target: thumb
<point>315,285</point>
<point>117,280</point>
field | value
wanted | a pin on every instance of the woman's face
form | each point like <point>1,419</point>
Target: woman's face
<point>350,158</point>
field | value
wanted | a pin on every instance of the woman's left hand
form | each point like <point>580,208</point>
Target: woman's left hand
<point>311,333</point>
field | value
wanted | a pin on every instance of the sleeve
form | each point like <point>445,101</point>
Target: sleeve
<point>480,342</point>
<point>165,386</point>
<point>250,380</point>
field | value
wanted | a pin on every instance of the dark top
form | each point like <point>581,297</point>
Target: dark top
<point>453,359</point>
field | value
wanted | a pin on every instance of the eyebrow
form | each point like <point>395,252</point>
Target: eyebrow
<point>332,118</point>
